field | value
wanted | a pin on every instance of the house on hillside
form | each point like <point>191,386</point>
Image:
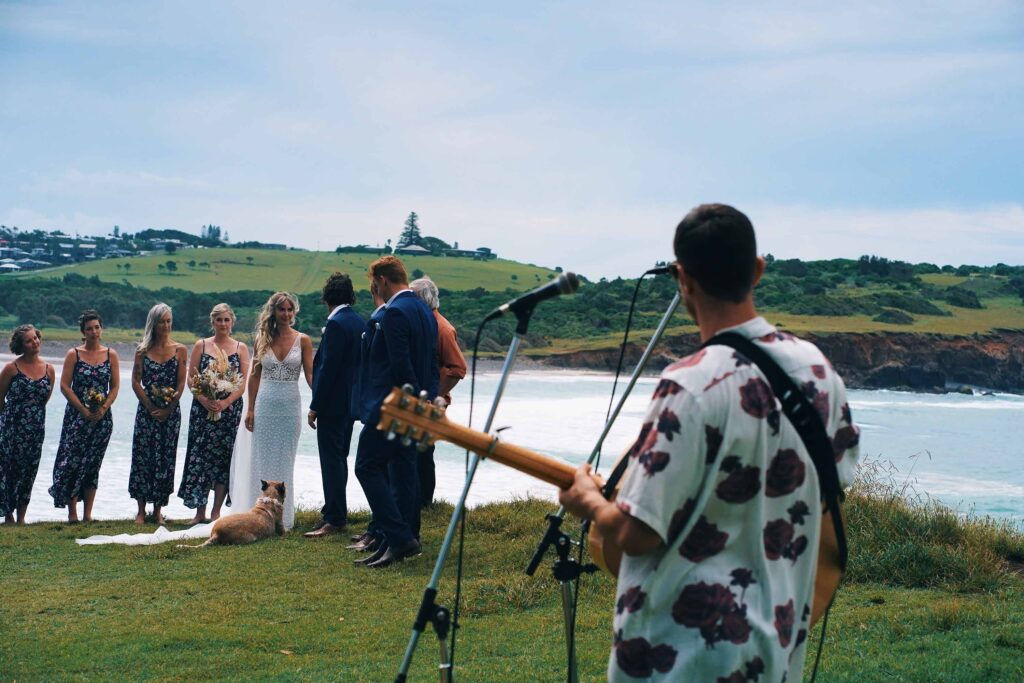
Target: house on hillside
<point>480,253</point>
<point>413,250</point>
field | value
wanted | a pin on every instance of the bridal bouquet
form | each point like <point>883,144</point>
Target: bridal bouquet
<point>219,380</point>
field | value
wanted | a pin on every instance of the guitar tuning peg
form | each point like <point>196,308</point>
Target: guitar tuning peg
<point>423,394</point>
<point>409,389</point>
<point>424,443</point>
<point>393,430</point>
<point>406,441</point>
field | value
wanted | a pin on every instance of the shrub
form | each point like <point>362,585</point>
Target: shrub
<point>962,298</point>
<point>911,303</point>
<point>899,538</point>
<point>894,317</point>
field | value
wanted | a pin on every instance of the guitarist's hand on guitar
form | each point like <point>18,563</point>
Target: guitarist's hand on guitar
<point>584,497</point>
<point>616,528</point>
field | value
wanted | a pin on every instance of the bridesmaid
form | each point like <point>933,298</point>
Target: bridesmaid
<point>26,384</point>
<point>210,444</point>
<point>90,382</point>
<point>158,379</point>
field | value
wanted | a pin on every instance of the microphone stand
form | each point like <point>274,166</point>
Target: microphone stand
<point>430,611</point>
<point>565,569</point>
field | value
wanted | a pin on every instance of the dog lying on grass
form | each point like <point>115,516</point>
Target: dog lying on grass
<point>263,521</point>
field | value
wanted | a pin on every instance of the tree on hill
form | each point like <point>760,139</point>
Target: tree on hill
<point>411,232</point>
<point>172,266</point>
<point>436,245</point>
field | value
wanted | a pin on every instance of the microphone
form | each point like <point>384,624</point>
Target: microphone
<point>566,283</point>
<point>660,270</point>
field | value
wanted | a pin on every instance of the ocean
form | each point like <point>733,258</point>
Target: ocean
<point>963,451</point>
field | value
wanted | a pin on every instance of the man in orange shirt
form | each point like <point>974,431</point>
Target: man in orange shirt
<point>452,367</point>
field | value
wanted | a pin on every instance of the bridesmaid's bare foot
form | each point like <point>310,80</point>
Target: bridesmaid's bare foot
<point>196,520</point>
<point>214,517</point>
<point>73,519</point>
<point>87,519</point>
<point>140,518</point>
<point>159,519</point>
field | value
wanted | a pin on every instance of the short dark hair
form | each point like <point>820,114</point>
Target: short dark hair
<point>88,315</point>
<point>17,343</point>
<point>338,290</point>
<point>715,244</point>
<point>390,268</point>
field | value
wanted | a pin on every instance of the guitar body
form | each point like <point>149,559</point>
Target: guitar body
<point>423,422</point>
<point>607,558</point>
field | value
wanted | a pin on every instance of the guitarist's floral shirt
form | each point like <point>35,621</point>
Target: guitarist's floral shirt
<point>720,474</point>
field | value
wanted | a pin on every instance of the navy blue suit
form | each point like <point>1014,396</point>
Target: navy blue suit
<point>335,383</point>
<point>401,352</point>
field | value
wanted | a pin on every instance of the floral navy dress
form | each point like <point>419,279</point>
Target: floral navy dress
<point>155,443</point>
<point>210,444</point>
<point>22,425</point>
<point>82,443</point>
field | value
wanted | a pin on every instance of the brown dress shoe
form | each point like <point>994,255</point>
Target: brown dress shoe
<point>367,545</point>
<point>359,542</point>
<point>326,530</point>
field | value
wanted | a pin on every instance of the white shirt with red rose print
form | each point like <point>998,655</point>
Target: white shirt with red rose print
<point>723,477</point>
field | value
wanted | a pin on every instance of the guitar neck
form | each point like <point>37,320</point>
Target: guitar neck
<point>420,421</point>
<point>539,466</point>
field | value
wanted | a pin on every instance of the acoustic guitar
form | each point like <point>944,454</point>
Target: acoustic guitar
<point>419,421</point>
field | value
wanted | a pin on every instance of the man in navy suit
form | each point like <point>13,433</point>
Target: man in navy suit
<point>332,410</point>
<point>402,352</point>
<point>371,540</point>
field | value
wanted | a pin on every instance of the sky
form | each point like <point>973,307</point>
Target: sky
<point>572,134</point>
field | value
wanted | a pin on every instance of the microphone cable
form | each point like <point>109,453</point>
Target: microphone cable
<point>584,528</point>
<point>462,520</point>
<point>660,270</point>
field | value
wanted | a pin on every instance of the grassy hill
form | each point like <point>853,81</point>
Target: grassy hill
<point>222,270</point>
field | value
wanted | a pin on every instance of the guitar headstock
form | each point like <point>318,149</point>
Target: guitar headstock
<point>414,419</point>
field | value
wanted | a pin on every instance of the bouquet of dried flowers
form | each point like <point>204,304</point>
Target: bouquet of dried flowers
<point>219,380</point>
<point>93,399</point>
<point>161,396</point>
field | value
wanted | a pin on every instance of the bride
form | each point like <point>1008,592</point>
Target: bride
<point>281,354</point>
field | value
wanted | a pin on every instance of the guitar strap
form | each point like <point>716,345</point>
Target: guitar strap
<point>808,423</point>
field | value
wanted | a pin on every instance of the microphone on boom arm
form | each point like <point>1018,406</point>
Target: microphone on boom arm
<point>660,270</point>
<point>523,305</point>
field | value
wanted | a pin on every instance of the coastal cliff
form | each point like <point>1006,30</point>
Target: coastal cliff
<point>919,362</point>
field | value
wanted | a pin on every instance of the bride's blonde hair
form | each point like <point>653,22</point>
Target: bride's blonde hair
<point>266,326</point>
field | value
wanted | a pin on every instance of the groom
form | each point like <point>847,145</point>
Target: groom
<point>402,352</point>
<point>332,410</point>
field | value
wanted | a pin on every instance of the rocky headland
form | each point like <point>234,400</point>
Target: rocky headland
<point>916,362</point>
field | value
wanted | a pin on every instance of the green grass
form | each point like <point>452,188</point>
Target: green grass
<point>294,609</point>
<point>294,271</point>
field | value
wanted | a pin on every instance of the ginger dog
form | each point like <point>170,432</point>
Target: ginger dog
<point>263,521</point>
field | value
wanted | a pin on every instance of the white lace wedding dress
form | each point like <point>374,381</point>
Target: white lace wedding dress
<point>275,435</point>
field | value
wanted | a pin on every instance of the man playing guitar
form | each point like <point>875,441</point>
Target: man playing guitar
<point>718,513</point>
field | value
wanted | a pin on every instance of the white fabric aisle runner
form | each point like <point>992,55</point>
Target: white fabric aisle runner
<point>161,535</point>
<point>241,501</point>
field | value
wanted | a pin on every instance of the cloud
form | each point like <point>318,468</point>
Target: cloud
<point>75,182</point>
